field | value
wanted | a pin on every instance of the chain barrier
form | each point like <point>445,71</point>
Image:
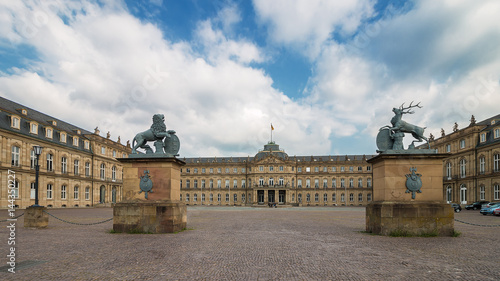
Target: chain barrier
<point>94,223</point>
<point>13,218</point>
<point>475,224</point>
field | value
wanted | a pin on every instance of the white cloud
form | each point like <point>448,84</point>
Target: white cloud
<point>102,67</point>
<point>309,23</point>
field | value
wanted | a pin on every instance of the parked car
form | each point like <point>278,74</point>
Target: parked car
<point>491,204</point>
<point>476,205</point>
<point>456,207</point>
<point>496,212</point>
<point>489,210</point>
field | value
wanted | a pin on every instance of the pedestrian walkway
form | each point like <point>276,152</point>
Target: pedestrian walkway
<point>234,243</point>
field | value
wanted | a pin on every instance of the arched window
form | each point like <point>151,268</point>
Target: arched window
<point>342,197</point>
<point>203,197</point>
<point>76,167</point>
<point>243,198</point>
<point>334,182</point>
<point>113,173</point>
<point>351,182</point>
<point>308,197</point>
<point>32,159</point>
<point>334,197</point>
<point>299,197</point>
<point>271,182</point>
<point>195,197</point>
<point>360,182</point>
<point>448,194</point>
<point>87,169</point>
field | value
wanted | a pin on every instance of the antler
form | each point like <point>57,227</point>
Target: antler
<point>411,106</point>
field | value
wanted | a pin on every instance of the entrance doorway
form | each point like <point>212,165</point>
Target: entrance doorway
<point>260,196</point>
<point>281,197</point>
<point>270,196</point>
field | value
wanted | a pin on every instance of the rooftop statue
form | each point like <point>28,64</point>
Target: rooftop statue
<point>390,138</point>
<point>166,142</point>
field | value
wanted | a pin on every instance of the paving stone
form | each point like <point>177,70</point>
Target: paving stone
<point>240,243</point>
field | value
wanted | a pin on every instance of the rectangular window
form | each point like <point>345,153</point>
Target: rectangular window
<point>63,192</point>
<point>76,167</point>
<point>462,143</point>
<point>316,169</point>
<point>49,162</point>
<point>496,192</point>
<point>76,193</point>
<point>64,165</point>
<point>32,159</point>
<point>103,150</point>
<point>195,171</point>
<point>497,133</point>
<point>481,192</point>
<point>334,169</point>
<point>496,162</point>
<point>87,169</point>
<point>334,182</point>
<point>482,163</point>
<point>308,169</point>
<point>87,193</point>
<point>483,137</point>
<point>261,168</point>
<point>243,170</point>
<point>368,168</point>
<point>316,183</point>
<point>299,169</point>
<point>351,169</point>
<point>227,184</point>
<point>219,184</point>
<point>243,184</point>
<point>227,170</point>
<point>15,156</point>
<point>49,191</point>
<point>203,170</point>
<point>63,137</point>
<point>48,133</point>
<point>281,169</point>
<point>211,170</point>
<point>87,146</point>
<point>34,128</point>
<point>299,183</point>
<point>114,153</point>
<point>448,148</point>
<point>75,141</point>
<point>33,191</point>
<point>235,183</point>
<point>211,183</point>
<point>15,123</point>
<point>219,170</point>
<point>342,169</point>
<point>235,170</point>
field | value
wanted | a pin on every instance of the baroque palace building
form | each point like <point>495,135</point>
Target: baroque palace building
<point>77,168</point>
<point>271,176</point>
<point>472,171</point>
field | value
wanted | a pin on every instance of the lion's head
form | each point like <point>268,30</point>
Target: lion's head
<point>158,124</point>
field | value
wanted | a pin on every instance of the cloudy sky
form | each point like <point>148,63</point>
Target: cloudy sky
<point>325,73</point>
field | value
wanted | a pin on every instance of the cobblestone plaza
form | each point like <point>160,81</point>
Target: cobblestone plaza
<point>243,243</point>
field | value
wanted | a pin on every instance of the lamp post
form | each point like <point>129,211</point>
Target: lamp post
<point>38,151</point>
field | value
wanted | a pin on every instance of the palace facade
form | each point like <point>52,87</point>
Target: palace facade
<point>472,171</point>
<point>77,168</point>
<point>271,176</point>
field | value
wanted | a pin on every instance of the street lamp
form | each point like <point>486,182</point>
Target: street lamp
<point>38,151</point>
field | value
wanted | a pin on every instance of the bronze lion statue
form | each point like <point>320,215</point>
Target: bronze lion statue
<point>157,132</point>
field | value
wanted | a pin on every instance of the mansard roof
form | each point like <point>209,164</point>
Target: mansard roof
<point>9,108</point>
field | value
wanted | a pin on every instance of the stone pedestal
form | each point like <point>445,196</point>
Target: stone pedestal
<point>149,217</point>
<point>161,211</point>
<point>34,216</point>
<point>394,210</point>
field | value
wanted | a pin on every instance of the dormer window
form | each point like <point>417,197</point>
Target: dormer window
<point>54,123</point>
<point>78,132</point>
<point>75,141</point>
<point>63,137</point>
<point>483,137</point>
<point>34,128</point>
<point>48,133</point>
<point>497,133</point>
<point>87,144</point>
<point>15,122</point>
<point>493,122</point>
